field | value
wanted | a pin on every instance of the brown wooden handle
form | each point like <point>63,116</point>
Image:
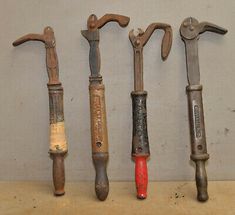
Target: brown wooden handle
<point>58,173</point>
<point>98,119</point>
<point>99,138</point>
<point>100,161</point>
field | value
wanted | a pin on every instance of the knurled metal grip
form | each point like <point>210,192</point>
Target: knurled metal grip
<point>198,139</point>
<point>140,143</point>
<point>56,103</point>
<point>197,125</point>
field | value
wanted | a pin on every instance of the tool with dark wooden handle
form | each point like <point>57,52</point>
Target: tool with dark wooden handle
<point>58,143</point>
<point>140,143</point>
<point>99,134</point>
<point>190,30</point>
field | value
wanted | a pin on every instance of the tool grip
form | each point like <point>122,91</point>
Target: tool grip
<point>201,181</point>
<point>99,138</point>
<point>100,161</point>
<point>196,120</point>
<point>198,138</point>
<point>141,177</point>
<point>140,144</point>
<point>58,173</point>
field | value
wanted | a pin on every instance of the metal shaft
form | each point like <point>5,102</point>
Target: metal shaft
<point>190,30</point>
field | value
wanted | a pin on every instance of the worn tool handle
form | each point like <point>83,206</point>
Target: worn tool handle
<point>58,142</point>
<point>100,161</point>
<point>140,144</point>
<point>58,173</point>
<point>99,138</point>
<point>141,176</point>
<point>198,138</point>
<point>201,181</point>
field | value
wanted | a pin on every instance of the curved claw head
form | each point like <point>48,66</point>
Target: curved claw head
<point>47,37</point>
<point>93,23</point>
<point>191,28</point>
<point>141,38</point>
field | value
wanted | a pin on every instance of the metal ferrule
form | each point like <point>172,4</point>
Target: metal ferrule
<point>140,143</point>
<point>56,103</point>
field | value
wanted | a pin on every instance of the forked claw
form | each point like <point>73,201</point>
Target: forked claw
<point>191,28</point>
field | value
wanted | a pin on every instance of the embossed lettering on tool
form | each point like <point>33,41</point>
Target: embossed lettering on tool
<point>140,143</point>
<point>99,134</point>
<point>58,143</point>
<point>190,30</point>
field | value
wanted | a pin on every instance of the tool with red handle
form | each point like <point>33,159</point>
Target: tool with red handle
<point>140,143</point>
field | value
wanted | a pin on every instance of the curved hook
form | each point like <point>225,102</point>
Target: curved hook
<point>139,40</point>
<point>29,37</point>
<point>51,57</point>
<point>47,37</point>
<point>93,23</point>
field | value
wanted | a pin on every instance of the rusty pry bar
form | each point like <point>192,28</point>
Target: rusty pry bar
<point>99,136</point>
<point>140,143</point>
<point>190,30</point>
<point>58,143</point>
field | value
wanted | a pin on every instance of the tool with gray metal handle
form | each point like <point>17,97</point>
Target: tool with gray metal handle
<point>190,30</point>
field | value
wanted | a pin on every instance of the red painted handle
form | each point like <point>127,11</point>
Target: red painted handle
<point>141,177</point>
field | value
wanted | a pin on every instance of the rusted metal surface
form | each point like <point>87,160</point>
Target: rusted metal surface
<point>190,30</point>
<point>140,143</point>
<point>58,143</point>
<point>99,134</point>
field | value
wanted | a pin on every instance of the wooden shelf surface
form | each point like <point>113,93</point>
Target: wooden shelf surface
<point>170,198</point>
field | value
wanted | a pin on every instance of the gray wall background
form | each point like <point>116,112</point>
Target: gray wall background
<point>24,110</point>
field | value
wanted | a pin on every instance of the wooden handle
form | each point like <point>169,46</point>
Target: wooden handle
<point>100,161</point>
<point>58,173</point>
<point>99,138</point>
<point>141,177</point>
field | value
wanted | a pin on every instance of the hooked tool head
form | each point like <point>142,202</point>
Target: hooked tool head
<point>139,40</point>
<point>93,23</point>
<point>47,37</point>
<point>191,28</point>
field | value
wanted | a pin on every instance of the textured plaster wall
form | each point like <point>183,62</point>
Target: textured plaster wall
<point>24,109</point>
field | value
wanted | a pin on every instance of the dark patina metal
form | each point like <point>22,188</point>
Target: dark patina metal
<point>99,134</point>
<point>55,91</point>
<point>140,143</point>
<point>190,30</point>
